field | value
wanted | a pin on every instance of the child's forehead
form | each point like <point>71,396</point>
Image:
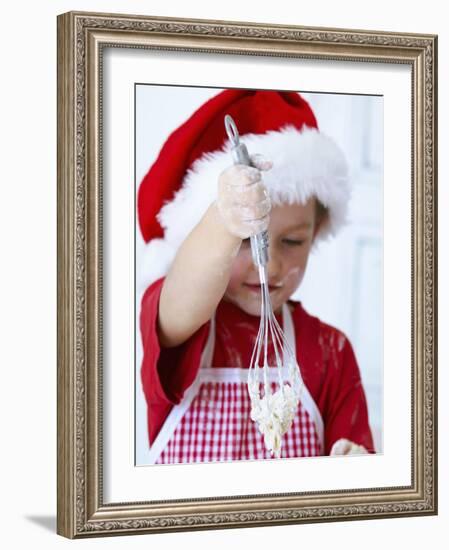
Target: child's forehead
<point>297,213</point>
<point>289,217</point>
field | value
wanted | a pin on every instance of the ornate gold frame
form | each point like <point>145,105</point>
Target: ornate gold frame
<point>81,38</point>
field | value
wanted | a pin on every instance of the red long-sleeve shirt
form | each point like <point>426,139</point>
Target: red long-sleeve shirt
<point>328,366</point>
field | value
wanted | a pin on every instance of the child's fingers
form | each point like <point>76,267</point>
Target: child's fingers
<point>248,195</point>
<point>252,227</point>
<point>243,201</point>
<point>261,162</point>
<point>240,175</point>
<point>254,212</point>
<point>340,447</point>
<point>346,447</point>
<point>244,228</point>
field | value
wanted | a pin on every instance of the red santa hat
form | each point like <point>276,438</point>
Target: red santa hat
<point>182,182</point>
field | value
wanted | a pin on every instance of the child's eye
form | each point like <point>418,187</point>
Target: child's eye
<point>293,242</point>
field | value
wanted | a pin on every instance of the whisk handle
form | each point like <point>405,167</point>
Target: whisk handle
<point>240,155</point>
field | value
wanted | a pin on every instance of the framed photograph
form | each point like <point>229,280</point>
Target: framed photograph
<point>247,274</point>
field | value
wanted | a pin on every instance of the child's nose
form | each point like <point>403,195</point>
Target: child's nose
<point>274,266</point>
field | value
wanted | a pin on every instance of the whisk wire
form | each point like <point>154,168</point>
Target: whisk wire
<point>274,415</point>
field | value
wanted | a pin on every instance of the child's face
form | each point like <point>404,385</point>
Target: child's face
<point>291,231</point>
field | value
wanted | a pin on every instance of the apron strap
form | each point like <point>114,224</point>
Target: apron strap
<point>208,352</point>
<point>307,400</point>
<point>289,329</point>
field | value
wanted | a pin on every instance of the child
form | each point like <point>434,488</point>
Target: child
<point>200,312</point>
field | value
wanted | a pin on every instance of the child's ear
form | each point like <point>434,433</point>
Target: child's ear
<point>318,224</point>
<point>321,216</point>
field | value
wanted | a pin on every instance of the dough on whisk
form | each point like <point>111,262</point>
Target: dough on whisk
<point>274,414</point>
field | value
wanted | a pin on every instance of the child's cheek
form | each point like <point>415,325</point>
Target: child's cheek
<point>293,278</point>
<point>240,269</point>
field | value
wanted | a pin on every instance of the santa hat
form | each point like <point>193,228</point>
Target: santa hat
<point>182,182</point>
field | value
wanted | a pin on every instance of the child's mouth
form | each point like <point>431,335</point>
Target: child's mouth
<point>256,287</point>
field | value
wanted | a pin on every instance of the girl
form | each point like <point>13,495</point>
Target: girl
<point>200,311</point>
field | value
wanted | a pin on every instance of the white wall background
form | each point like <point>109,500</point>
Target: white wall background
<point>28,289</point>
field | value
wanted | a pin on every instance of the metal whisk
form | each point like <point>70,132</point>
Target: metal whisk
<point>272,411</point>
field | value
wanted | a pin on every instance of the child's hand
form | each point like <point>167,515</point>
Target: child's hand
<point>346,447</point>
<point>243,201</point>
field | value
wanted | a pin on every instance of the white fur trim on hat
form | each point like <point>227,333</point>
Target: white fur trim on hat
<point>305,163</point>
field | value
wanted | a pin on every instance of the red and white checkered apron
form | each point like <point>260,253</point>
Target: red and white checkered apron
<point>212,423</point>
